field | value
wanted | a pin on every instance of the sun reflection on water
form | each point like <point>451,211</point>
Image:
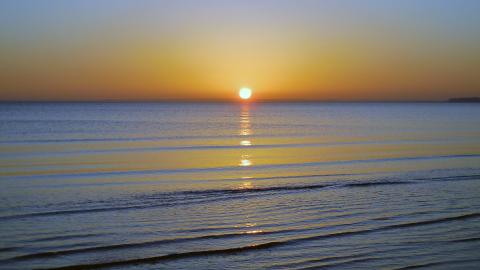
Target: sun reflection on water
<point>246,185</point>
<point>245,130</point>
<point>250,225</point>
<point>246,143</point>
<point>245,127</point>
<point>245,161</point>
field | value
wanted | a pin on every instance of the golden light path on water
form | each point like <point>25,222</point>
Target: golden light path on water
<point>245,158</point>
<point>246,143</point>
<point>245,131</point>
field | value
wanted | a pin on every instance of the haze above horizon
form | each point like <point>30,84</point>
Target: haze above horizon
<point>206,50</point>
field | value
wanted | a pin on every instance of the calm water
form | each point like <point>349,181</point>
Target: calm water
<point>230,186</point>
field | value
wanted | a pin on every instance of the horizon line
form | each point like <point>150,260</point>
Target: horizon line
<point>231,101</point>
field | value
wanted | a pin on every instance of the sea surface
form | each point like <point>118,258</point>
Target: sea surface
<point>239,186</point>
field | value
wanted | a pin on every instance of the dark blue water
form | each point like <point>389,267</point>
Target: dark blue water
<point>232,186</point>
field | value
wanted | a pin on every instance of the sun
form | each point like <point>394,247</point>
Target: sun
<point>245,93</point>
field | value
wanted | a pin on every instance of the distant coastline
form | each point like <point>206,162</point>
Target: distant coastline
<point>464,100</point>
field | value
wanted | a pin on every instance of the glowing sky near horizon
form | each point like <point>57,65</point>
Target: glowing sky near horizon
<point>178,49</point>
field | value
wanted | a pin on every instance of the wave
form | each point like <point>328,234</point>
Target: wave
<point>75,211</point>
<point>374,257</point>
<point>348,261</point>
<point>433,221</point>
<point>369,184</point>
<point>142,244</point>
<point>173,198</point>
<point>237,179</point>
<point>7,249</point>
<point>210,147</point>
<point>432,264</point>
<point>236,168</point>
<point>321,260</point>
<point>472,239</point>
<point>262,246</point>
<point>335,261</point>
<point>67,237</point>
<point>173,256</point>
<point>177,198</point>
<point>140,139</point>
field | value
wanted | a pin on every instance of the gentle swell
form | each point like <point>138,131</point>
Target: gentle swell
<point>7,249</point>
<point>236,168</point>
<point>187,197</point>
<point>267,245</point>
<point>134,139</point>
<point>369,184</point>
<point>473,239</point>
<point>207,147</point>
<point>142,244</point>
<point>427,265</point>
<point>173,256</point>
<point>67,237</point>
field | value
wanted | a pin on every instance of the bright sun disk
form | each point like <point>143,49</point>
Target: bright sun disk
<point>245,93</point>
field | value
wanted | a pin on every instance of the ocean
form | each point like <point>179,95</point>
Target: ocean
<point>239,186</point>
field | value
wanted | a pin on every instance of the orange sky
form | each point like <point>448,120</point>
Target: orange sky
<point>317,50</point>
